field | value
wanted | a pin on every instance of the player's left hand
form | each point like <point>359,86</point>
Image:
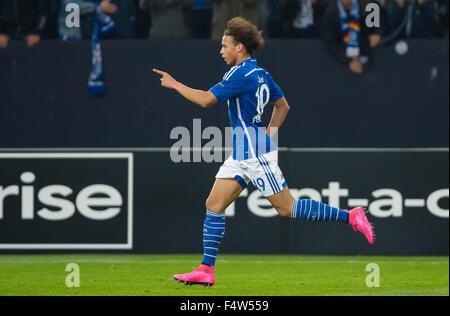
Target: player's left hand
<point>167,81</point>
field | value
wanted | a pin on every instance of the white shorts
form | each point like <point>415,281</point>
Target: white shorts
<point>263,171</point>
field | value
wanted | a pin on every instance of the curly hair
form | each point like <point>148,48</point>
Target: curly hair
<point>245,32</point>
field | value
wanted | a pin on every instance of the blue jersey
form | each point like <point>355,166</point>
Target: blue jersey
<point>248,89</point>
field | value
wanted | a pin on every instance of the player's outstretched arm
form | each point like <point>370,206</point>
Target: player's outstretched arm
<point>203,98</point>
<point>280,111</point>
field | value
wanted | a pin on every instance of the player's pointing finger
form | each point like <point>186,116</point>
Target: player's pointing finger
<point>159,72</point>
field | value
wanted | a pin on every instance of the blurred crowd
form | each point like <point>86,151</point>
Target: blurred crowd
<point>34,20</point>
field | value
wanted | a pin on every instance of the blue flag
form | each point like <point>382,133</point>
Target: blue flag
<point>102,26</point>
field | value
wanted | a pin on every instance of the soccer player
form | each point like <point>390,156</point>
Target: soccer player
<point>247,89</point>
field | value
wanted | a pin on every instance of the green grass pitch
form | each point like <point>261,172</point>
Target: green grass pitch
<point>236,275</point>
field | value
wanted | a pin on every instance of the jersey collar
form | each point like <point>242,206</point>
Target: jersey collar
<point>250,60</point>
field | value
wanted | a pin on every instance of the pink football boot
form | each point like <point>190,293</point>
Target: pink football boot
<point>357,218</point>
<point>202,275</point>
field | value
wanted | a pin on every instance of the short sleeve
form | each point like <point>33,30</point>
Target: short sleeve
<point>228,88</point>
<point>275,91</point>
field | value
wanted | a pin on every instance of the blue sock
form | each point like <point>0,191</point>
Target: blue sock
<point>310,210</point>
<point>213,231</point>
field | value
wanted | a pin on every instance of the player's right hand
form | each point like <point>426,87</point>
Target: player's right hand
<point>167,81</point>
